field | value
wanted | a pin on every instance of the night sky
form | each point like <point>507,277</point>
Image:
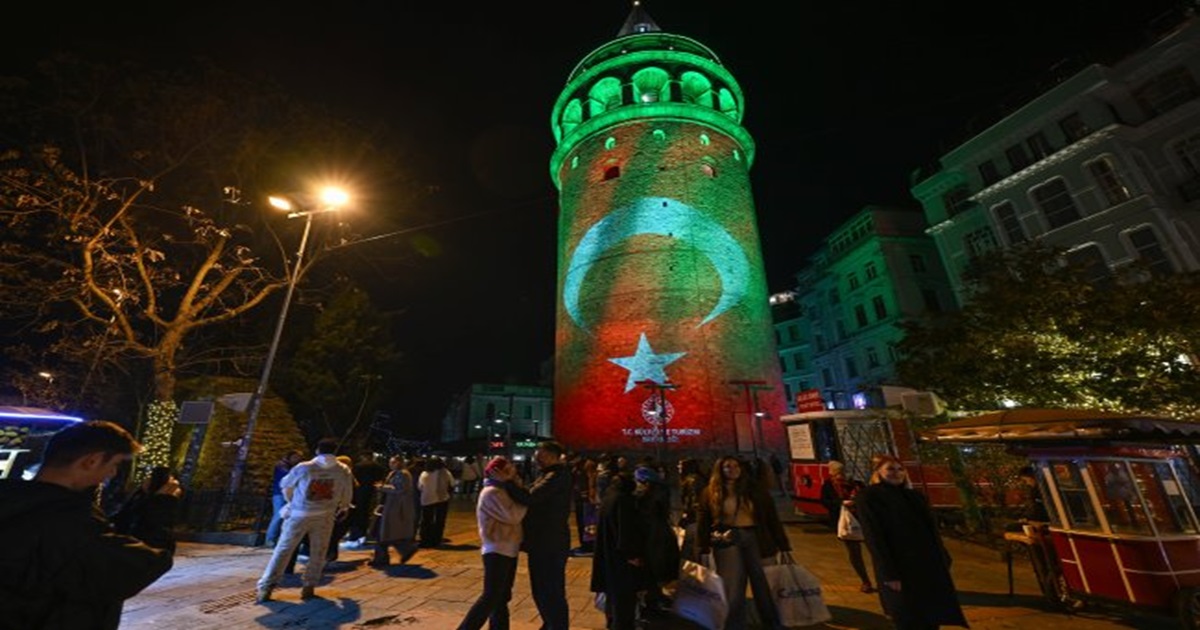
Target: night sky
<point>845,100</point>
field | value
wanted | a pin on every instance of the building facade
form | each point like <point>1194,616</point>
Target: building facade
<point>485,415</point>
<point>662,316</point>
<point>837,333</point>
<point>1106,165</point>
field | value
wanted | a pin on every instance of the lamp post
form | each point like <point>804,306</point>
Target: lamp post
<point>660,414</point>
<point>755,416</point>
<point>331,200</point>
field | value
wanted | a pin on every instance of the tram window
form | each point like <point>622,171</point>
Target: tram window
<point>1074,495</point>
<point>1051,508</point>
<point>1164,498</point>
<point>1119,497</point>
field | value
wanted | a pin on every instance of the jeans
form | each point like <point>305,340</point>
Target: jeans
<point>499,573</point>
<point>737,564</point>
<point>548,582</point>
<point>317,528</point>
<point>277,503</point>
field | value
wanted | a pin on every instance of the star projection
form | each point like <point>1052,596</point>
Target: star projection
<point>662,299</point>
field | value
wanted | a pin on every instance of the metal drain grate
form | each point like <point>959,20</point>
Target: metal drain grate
<point>228,602</point>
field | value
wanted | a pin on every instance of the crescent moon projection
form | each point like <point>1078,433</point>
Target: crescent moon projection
<point>661,216</point>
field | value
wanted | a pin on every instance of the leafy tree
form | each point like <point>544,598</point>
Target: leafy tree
<point>125,231</point>
<point>1042,333</point>
<point>337,371</point>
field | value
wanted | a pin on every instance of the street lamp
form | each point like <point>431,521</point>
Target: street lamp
<point>331,200</point>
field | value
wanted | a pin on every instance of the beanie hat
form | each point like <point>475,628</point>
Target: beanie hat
<point>494,465</point>
<point>645,474</point>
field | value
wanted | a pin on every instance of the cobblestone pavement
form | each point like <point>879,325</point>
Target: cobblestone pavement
<point>212,586</point>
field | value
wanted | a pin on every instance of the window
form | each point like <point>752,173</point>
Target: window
<point>852,280</point>
<point>1108,180</point>
<point>860,314</point>
<point>872,357</point>
<point>1039,146</point>
<point>528,412</point>
<point>989,173</point>
<point>1167,91</point>
<point>798,361</point>
<point>834,298</point>
<point>841,330</point>
<point>872,272</point>
<point>1163,498</point>
<point>1188,153</point>
<point>783,364</point>
<point>1091,261</point>
<point>978,242</point>
<point>709,170</point>
<point>917,262</point>
<point>1017,157</point>
<point>930,298</point>
<point>793,332</point>
<point>1006,216</point>
<point>1080,514</point>
<point>1150,251</point>
<point>827,377</point>
<point>612,172</point>
<point>956,201</point>
<point>787,391</point>
<point>1119,498</point>
<point>880,307</point>
<point>1073,127</point>
<point>820,339</point>
<point>851,368</point>
<point>1056,203</point>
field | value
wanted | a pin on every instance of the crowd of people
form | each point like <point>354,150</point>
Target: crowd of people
<point>637,520</point>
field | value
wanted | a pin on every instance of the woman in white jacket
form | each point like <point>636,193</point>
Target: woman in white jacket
<point>500,534</point>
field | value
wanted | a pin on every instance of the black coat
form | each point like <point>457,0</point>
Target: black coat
<point>662,546</point>
<point>620,537</point>
<point>768,529</point>
<point>62,566</point>
<point>547,523</point>
<point>905,546</point>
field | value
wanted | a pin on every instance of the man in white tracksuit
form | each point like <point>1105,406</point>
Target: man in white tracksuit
<point>319,492</point>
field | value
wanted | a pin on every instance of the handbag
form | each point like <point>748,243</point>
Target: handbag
<point>848,527</point>
<point>700,596</point>
<point>797,593</point>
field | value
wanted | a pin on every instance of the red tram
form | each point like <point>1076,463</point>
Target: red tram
<point>1121,492</point>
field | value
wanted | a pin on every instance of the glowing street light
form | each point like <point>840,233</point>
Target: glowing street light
<point>331,200</point>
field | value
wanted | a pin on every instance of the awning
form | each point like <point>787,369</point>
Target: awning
<point>1063,425</point>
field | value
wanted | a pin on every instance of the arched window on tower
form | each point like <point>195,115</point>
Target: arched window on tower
<point>650,85</point>
<point>727,104</point>
<point>572,116</point>
<point>696,88</point>
<point>612,172</point>
<point>604,95</point>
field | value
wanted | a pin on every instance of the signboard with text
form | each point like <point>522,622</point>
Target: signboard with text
<point>809,400</point>
<point>800,441</point>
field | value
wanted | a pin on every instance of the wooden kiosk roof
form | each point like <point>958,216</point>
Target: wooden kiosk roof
<point>1057,425</point>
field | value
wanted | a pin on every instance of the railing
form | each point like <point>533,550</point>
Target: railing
<point>219,511</point>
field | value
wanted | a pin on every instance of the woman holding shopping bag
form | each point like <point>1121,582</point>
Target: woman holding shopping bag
<point>912,567</point>
<point>837,495</point>
<point>737,522</point>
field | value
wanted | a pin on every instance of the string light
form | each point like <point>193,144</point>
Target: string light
<point>156,436</point>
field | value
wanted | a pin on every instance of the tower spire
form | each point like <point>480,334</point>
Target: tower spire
<point>638,22</point>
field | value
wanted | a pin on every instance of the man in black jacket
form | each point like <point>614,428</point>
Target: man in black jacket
<point>547,533</point>
<point>62,566</point>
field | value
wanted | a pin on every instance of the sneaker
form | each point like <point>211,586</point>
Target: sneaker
<point>307,592</point>
<point>263,594</point>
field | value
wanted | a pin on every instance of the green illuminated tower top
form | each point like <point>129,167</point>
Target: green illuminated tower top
<point>646,73</point>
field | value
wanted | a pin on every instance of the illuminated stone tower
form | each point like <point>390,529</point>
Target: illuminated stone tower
<point>660,274</point>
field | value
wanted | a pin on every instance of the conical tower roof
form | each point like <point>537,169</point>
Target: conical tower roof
<point>639,21</point>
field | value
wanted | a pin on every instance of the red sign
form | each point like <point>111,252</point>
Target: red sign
<point>809,400</point>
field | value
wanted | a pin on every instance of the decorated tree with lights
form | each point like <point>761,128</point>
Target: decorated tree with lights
<point>1039,332</point>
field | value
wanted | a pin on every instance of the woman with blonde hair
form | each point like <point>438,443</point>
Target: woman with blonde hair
<point>738,523</point>
<point>915,589</point>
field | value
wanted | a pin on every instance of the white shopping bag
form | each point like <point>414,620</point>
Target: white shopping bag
<point>797,593</point>
<point>700,596</point>
<point>848,527</point>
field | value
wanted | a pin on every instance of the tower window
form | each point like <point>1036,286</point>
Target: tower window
<point>575,162</point>
<point>610,143</point>
<point>612,172</point>
<point>737,155</point>
<point>708,170</point>
<point>659,134</point>
<point>704,139</point>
